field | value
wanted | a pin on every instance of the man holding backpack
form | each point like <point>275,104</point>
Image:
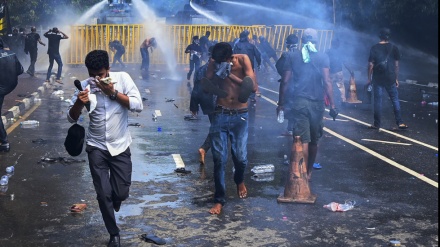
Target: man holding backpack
<point>31,48</point>
<point>383,72</point>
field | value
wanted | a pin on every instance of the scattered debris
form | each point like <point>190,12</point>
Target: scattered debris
<point>169,100</point>
<point>39,141</point>
<point>62,160</point>
<point>134,124</point>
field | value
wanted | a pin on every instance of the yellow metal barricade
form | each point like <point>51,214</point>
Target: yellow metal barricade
<point>85,38</point>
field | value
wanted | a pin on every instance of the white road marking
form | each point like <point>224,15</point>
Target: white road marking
<point>397,143</point>
<point>158,113</point>
<point>337,119</point>
<point>178,160</point>
<point>366,124</point>
<point>389,161</point>
<point>385,159</point>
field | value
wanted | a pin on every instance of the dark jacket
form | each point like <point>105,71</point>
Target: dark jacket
<point>198,97</point>
<point>10,69</point>
<point>244,47</point>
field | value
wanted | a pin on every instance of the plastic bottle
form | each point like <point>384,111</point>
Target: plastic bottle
<point>4,180</point>
<point>337,207</point>
<point>29,123</point>
<point>10,169</point>
<point>370,88</point>
<point>433,103</point>
<point>263,169</point>
<point>280,117</point>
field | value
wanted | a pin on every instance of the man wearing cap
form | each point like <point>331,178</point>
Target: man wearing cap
<point>195,52</point>
<point>309,75</point>
<point>10,69</point>
<point>54,37</point>
<point>243,46</point>
<point>383,73</point>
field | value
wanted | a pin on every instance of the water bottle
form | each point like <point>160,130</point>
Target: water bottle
<point>263,169</point>
<point>433,103</point>
<point>337,207</point>
<point>280,118</point>
<point>29,123</point>
<point>4,180</point>
<point>10,169</point>
<point>370,88</point>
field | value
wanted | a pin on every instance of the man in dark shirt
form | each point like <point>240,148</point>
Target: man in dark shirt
<point>54,36</point>
<point>310,77</point>
<point>16,44</point>
<point>195,52</point>
<point>336,74</point>
<point>243,46</point>
<point>32,40</point>
<point>204,44</point>
<point>119,50</point>
<point>383,73</point>
<point>10,69</point>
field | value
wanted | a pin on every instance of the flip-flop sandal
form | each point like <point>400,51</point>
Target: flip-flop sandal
<point>403,126</point>
<point>182,170</point>
<point>150,238</point>
<point>246,88</point>
<point>78,207</point>
<point>317,166</point>
<point>209,87</point>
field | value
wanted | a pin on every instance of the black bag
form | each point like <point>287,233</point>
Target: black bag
<point>279,65</point>
<point>75,139</point>
<point>382,67</point>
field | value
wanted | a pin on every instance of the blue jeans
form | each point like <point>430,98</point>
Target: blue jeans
<point>394,96</point>
<point>235,128</point>
<point>57,58</point>
<point>194,65</point>
<point>145,59</point>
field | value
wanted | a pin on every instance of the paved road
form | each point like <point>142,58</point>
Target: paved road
<point>392,175</point>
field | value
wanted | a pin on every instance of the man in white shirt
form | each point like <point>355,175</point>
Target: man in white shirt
<point>108,137</point>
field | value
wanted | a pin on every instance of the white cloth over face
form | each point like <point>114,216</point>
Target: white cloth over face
<point>305,51</point>
<point>108,128</point>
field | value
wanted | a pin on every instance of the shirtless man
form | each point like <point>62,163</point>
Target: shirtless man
<point>232,79</point>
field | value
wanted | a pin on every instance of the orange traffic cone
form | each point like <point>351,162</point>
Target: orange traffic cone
<point>297,186</point>
<point>352,98</point>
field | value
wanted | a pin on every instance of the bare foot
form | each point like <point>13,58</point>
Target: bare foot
<point>241,190</point>
<point>202,156</point>
<point>216,209</point>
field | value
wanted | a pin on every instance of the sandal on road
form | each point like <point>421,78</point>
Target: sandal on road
<point>150,238</point>
<point>78,207</point>
<point>403,126</point>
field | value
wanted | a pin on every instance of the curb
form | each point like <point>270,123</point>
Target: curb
<point>9,117</point>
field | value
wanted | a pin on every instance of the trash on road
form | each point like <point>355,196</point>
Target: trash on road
<point>169,100</point>
<point>263,177</point>
<point>29,124</point>
<point>337,207</point>
<point>150,238</point>
<point>394,242</point>
<point>78,207</point>
<point>39,141</point>
<point>263,169</point>
<point>134,124</point>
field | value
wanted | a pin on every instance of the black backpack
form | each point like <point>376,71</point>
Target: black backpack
<point>279,65</point>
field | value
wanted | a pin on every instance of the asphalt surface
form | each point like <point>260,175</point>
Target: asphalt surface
<point>392,175</point>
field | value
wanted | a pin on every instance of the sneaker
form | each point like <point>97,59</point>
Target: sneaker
<point>5,147</point>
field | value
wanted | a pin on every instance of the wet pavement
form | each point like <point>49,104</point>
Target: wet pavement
<point>391,174</point>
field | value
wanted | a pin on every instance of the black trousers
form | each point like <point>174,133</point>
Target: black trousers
<point>112,179</point>
<point>33,54</point>
<point>3,135</point>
